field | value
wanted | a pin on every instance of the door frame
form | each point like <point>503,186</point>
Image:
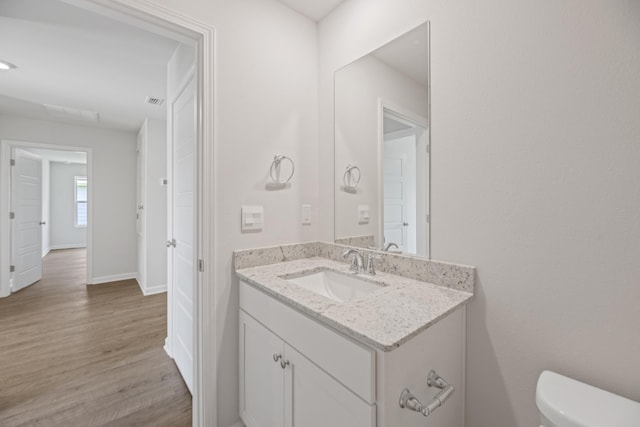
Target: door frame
<point>162,20</point>
<point>414,119</point>
<point>6,146</point>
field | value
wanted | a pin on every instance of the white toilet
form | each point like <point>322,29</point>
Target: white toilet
<point>565,402</point>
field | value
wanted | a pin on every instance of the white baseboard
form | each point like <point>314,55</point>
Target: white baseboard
<point>166,347</point>
<point>45,252</point>
<point>69,246</point>
<point>154,290</point>
<point>112,278</point>
<point>140,283</point>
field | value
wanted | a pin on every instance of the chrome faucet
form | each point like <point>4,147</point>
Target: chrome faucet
<point>357,262</point>
<point>388,246</point>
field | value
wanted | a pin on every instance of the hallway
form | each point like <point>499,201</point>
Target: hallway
<point>77,355</point>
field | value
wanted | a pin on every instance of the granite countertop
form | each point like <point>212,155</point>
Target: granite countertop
<point>384,319</point>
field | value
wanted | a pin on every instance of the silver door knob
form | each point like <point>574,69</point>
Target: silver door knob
<point>43,222</point>
<point>170,243</point>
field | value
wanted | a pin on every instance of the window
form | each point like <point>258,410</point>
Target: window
<point>80,200</point>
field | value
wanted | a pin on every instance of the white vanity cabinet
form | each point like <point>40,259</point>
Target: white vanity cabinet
<point>298,372</point>
<point>281,387</point>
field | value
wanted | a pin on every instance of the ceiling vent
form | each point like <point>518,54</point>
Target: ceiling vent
<point>71,113</point>
<point>154,100</point>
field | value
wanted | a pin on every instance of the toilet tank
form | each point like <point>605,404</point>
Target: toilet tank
<point>565,402</point>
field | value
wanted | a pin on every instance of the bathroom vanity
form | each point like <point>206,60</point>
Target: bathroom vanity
<point>322,346</point>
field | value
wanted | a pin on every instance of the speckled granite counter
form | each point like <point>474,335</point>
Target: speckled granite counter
<point>384,319</point>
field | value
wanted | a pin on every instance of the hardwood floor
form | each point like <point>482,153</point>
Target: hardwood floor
<point>77,355</point>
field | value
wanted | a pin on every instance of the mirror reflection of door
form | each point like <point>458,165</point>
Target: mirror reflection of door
<point>405,173</point>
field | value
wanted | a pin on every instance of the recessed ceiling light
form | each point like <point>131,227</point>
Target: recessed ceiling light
<point>4,65</point>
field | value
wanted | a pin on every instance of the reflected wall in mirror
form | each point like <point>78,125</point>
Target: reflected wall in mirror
<point>382,158</point>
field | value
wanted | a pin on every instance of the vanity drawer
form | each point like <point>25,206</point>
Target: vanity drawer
<point>350,363</point>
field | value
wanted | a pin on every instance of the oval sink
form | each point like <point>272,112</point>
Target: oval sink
<point>336,286</point>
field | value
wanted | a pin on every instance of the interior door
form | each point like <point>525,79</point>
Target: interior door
<point>399,174</point>
<point>26,199</point>
<point>140,213</point>
<point>182,237</point>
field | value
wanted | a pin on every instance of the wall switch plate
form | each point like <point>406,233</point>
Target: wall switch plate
<point>363,214</point>
<point>306,215</point>
<point>252,218</point>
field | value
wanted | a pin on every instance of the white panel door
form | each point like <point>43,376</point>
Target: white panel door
<point>314,399</point>
<point>261,375</point>
<point>399,176</point>
<point>26,195</point>
<point>140,212</point>
<point>183,269</point>
<point>395,203</point>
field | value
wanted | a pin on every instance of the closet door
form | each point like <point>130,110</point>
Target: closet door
<point>140,212</point>
<point>182,240</point>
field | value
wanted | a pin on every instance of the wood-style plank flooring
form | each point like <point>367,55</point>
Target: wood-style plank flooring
<point>78,355</point>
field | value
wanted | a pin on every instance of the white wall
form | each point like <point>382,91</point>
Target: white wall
<point>535,174</point>
<point>359,88</point>
<point>266,104</point>
<point>114,173</point>
<point>63,232</point>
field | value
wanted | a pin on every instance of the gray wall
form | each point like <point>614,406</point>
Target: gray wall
<point>535,178</point>
<point>62,231</point>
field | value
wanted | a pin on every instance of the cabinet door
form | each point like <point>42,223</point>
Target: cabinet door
<point>261,377</point>
<point>314,399</point>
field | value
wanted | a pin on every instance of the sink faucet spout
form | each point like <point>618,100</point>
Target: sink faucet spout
<point>357,261</point>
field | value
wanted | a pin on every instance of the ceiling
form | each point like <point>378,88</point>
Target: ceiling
<point>70,57</point>
<point>313,9</point>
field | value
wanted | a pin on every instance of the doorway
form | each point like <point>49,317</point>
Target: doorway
<point>185,29</point>
<point>35,221</point>
<point>404,163</point>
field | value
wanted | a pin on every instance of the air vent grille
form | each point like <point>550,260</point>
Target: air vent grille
<point>153,100</point>
<point>71,113</point>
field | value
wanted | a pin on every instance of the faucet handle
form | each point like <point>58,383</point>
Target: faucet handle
<point>370,267</point>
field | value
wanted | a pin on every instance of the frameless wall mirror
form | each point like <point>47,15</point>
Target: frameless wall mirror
<point>382,158</point>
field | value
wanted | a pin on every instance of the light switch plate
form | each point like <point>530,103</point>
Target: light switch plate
<point>363,214</point>
<point>306,215</point>
<point>252,218</point>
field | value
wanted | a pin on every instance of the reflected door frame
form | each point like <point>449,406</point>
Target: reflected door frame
<point>424,147</point>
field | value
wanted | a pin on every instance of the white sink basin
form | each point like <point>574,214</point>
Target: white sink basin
<point>335,286</point>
